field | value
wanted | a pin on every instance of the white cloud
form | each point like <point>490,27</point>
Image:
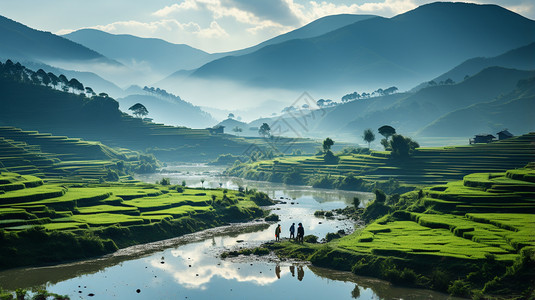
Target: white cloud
<point>214,31</point>
<point>168,10</point>
<point>315,10</point>
<point>163,27</point>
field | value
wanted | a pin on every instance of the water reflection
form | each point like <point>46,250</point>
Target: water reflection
<point>190,267</point>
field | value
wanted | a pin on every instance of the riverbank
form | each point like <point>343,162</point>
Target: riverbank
<point>470,238</point>
<point>46,223</point>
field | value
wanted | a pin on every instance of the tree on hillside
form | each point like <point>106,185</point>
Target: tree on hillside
<point>327,143</point>
<point>231,116</point>
<point>139,110</point>
<point>264,130</point>
<point>390,90</point>
<point>90,91</point>
<point>387,131</point>
<point>53,79</point>
<point>43,77</point>
<point>63,81</point>
<point>402,147</point>
<point>368,136</point>
<point>75,85</point>
<point>237,130</point>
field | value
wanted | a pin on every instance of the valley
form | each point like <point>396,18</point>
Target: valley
<point>153,157</point>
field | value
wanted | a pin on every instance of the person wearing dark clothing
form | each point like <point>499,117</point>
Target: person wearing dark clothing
<point>292,231</point>
<point>300,233</point>
<point>277,233</point>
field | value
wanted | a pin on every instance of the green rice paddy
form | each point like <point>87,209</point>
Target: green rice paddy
<point>427,166</point>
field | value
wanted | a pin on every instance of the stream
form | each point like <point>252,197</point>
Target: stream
<point>190,267</point>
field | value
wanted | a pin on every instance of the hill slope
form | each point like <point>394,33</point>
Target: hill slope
<point>153,55</point>
<point>18,41</point>
<point>513,111</point>
<point>401,51</point>
<point>425,106</point>
<point>170,111</point>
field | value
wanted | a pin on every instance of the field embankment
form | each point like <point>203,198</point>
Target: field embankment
<point>425,166</point>
<point>52,222</point>
<point>472,237</point>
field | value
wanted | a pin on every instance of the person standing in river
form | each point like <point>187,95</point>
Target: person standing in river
<point>277,233</point>
<point>300,233</point>
<point>292,231</point>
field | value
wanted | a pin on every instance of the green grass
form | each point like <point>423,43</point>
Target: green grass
<point>127,213</point>
<point>427,166</point>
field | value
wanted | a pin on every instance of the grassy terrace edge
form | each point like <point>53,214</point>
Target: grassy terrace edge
<point>377,169</point>
<point>478,235</point>
<point>47,223</point>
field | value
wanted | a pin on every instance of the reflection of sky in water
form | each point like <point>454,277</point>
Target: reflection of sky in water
<point>194,270</point>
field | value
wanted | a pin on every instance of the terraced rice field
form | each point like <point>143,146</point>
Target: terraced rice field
<point>26,201</point>
<point>57,157</point>
<point>485,214</point>
<point>427,166</point>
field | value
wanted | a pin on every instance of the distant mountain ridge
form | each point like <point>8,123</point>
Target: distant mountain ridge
<point>18,41</point>
<point>161,56</point>
<point>401,51</point>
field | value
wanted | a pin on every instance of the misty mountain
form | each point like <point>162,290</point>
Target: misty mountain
<point>97,83</point>
<point>169,109</point>
<point>513,111</point>
<point>313,29</point>
<point>20,42</point>
<point>400,51</point>
<point>416,111</point>
<point>522,58</point>
<point>146,54</point>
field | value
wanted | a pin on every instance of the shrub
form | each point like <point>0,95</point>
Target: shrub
<point>319,213</point>
<point>330,158</point>
<point>329,214</point>
<point>261,251</point>
<point>310,239</point>
<point>331,236</point>
<point>380,196</point>
<point>459,288</point>
<point>272,218</point>
<point>165,181</point>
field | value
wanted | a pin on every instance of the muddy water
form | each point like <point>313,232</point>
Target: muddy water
<point>189,267</point>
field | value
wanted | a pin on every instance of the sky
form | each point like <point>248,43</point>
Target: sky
<point>209,25</point>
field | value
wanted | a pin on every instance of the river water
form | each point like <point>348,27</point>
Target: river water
<point>190,267</point>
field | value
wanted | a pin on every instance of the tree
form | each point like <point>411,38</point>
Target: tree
<point>53,79</point>
<point>231,116</point>
<point>237,130</point>
<point>387,131</point>
<point>63,81</point>
<point>390,90</point>
<point>89,91</point>
<point>402,147</point>
<point>368,136</point>
<point>327,143</point>
<point>75,85</point>
<point>264,130</point>
<point>139,110</point>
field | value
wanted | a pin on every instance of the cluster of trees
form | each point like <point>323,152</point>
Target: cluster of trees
<point>20,73</point>
<point>161,92</point>
<point>448,81</point>
<point>379,92</point>
<point>400,146</point>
